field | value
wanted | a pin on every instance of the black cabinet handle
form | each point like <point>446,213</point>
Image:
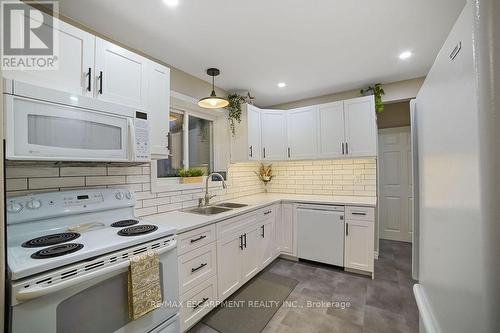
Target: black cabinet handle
<point>200,303</point>
<point>251,151</point>
<point>198,239</point>
<point>198,268</point>
<point>342,144</point>
<point>347,229</point>
<point>241,242</point>
<point>263,234</point>
<point>245,237</point>
<point>100,82</point>
<point>264,152</point>
<point>268,212</point>
<point>358,213</point>
<point>347,148</point>
<point>89,74</point>
<point>288,152</point>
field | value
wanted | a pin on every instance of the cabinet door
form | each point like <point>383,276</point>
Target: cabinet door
<point>75,62</point>
<point>331,130</point>
<point>302,127</point>
<point>267,244</point>
<point>158,108</point>
<point>277,230</point>
<point>287,229</point>
<point>123,78</point>
<point>250,254</point>
<point>254,146</point>
<point>229,261</point>
<point>273,134</point>
<point>360,127</point>
<point>359,245</point>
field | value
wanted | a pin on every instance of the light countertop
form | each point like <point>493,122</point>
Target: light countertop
<point>184,221</point>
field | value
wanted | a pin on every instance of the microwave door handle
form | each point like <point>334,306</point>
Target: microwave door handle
<point>38,291</point>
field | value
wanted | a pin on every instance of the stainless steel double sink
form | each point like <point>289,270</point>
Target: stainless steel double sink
<point>214,209</point>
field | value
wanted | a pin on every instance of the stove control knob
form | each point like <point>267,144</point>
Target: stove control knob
<point>128,195</point>
<point>34,204</point>
<point>119,195</point>
<point>14,207</point>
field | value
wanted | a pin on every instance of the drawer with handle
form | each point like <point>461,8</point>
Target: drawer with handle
<point>194,239</point>
<point>267,213</point>
<point>360,213</point>
<point>197,266</point>
<point>197,302</point>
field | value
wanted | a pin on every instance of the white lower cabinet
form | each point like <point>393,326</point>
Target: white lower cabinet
<point>359,239</point>
<point>285,230</point>
<point>198,302</point>
<point>266,243</point>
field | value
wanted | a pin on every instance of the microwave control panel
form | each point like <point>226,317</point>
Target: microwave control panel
<point>142,146</point>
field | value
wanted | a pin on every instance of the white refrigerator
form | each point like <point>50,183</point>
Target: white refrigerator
<point>456,134</point>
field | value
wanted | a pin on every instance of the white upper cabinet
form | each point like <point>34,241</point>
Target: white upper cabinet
<point>331,130</point>
<point>274,136</point>
<point>360,127</point>
<point>158,109</point>
<point>245,144</point>
<point>120,75</point>
<point>302,127</point>
<point>75,64</point>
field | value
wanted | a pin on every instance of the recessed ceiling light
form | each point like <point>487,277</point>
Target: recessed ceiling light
<point>282,84</point>
<point>171,3</point>
<point>405,55</point>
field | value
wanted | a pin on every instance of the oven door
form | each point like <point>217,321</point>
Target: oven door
<point>38,130</point>
<point>98,304</point>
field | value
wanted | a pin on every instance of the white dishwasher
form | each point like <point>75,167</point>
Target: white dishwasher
<point>320,233</point>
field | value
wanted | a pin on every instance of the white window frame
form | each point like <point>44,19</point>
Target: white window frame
<point>188,107</point>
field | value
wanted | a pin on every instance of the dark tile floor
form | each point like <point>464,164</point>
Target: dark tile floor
<point>382,305</point>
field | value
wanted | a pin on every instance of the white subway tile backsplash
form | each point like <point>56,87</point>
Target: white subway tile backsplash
<point>104,180</point>
<point>17,184</point>
<point>124,171</point>
<point>56,182</point>
<point>31,172</point>
<point>82,171</point>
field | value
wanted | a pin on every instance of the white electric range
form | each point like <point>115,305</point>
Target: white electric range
<point>68,256</point>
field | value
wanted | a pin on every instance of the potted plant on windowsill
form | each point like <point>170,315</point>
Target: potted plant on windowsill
<point>191,176</point>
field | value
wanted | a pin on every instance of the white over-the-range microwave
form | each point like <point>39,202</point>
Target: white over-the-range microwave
<point>49,125</point>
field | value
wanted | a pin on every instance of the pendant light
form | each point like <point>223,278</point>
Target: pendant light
<point>212,101</point>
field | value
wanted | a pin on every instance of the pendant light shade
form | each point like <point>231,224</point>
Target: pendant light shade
<point>212,101</point>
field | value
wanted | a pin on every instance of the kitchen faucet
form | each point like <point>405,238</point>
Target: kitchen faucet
<point>207,195</point>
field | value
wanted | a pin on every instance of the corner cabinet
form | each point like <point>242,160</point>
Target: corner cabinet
<point>302,133</point>
<point>274,135</point>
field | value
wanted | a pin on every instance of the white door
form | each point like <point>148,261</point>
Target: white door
<point>253,118</point>
<point>120,75</point>
<point>273,134</point>
<point>267,245</point>
<point>359,242</point>
<point>302,127</point>
<point>331,130</point>
<point>360,127</point>
<point>395,184</point>
<point>229,257</point>
<point>250,258</point>
<point>158,109</point>
<point>286,229</point>
<point>75,64</point>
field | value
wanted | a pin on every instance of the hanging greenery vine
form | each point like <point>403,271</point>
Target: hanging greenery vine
<point>234,109</point>
<point>377,91</point>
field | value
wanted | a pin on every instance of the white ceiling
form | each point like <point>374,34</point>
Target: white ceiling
<point>317,47</point>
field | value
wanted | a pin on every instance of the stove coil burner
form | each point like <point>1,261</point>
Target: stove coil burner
<point>51,239</point>
<point>57,251</point>
<point>137,230</point>
<point>124,223</point>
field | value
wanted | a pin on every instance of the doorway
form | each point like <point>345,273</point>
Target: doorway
<point>395,184</point>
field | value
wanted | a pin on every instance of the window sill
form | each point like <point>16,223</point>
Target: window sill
<point>174,184</point>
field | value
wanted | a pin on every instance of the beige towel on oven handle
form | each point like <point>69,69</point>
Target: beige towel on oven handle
<point>144,287</point>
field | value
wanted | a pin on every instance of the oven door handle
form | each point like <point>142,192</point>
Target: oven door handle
<point>40,290</point>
